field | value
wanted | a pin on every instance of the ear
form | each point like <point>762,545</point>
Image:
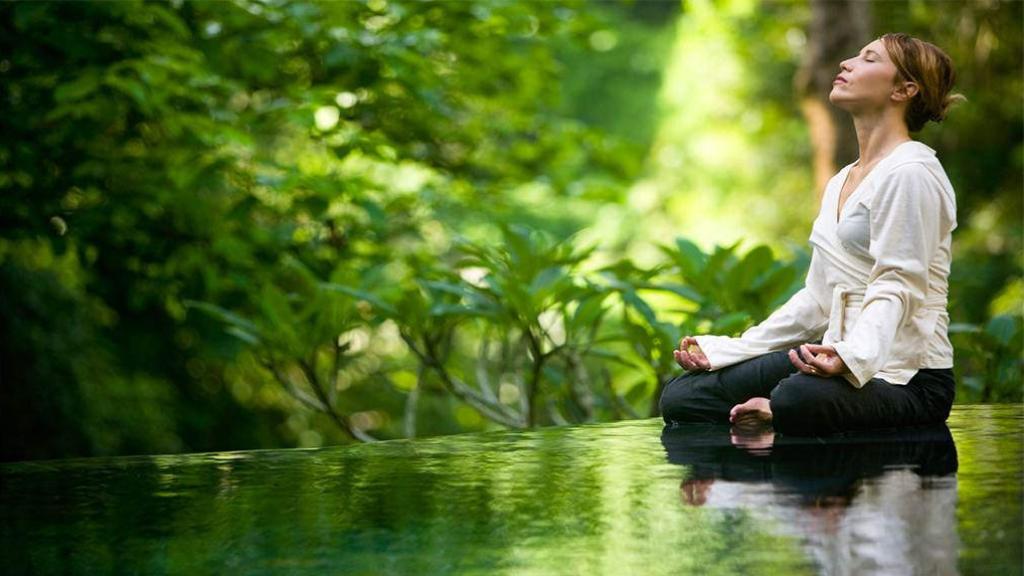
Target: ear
<point>904,91</point>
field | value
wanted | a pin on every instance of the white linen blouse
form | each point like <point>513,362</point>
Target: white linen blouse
<point>877,285</point>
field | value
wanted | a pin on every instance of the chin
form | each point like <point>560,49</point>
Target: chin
<point>836,99</point>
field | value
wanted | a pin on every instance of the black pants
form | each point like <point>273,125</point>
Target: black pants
<point>803,404</point>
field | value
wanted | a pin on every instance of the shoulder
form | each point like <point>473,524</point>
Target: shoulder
<point>914,165</point>
<point>909,181</point>
<point>910,173</point>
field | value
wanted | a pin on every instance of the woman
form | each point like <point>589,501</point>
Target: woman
<point>864,344</point>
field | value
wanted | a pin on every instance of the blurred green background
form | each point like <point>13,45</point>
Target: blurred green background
<point>255,224</point>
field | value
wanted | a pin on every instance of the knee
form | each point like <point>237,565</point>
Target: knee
<point>796,401</point>
<point>785,395</point>
<point>679,400</point>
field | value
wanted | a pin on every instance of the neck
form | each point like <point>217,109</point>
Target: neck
<point>879,133</point>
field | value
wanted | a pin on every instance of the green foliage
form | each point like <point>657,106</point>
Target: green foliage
<point>91,405</point>
<point>721,292</point>
<point>989,365</point>
<point>731,291</point>
<point>249,155</point>
<point>252,223</point>
<point>506,329</point>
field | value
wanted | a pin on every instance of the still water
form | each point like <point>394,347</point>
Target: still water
<point>628,497</point>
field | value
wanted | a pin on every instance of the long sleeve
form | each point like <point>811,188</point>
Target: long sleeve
<point>904,228</point>
<point>802,318</point>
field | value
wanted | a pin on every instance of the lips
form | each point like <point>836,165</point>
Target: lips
<point>839,79</point>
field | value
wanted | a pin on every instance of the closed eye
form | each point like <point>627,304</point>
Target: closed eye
<point>871,53</point>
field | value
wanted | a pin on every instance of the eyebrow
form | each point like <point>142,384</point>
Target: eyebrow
<point>873,52</point>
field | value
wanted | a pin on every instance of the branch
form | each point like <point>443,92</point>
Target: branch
<point>290,386</point>
<point>491,410</point>
<point>655,409</point>
<point>336,367</point>
<point>555,414</point>
<point>521,384</point>
<point>411,401</point>
<point>577,376</point>
<point>533,386</point>
<point>481,371</point>
<point>618,403</point>
<point>341,420</point>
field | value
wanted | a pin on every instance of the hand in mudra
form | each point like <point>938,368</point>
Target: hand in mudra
<point>690,356</point>
<point>818,360</point>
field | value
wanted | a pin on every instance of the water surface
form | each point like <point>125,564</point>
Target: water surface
<point>628,497</point>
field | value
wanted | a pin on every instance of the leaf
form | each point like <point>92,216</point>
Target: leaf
<point>77,89</point>
<point>616,283</point>
<point>638,337</point>
<point>677,289</point>
<point>719,260</point>
<point>575,255</point>
<point>612,356</point>
<point>447,310</point>
<point>244,335</point>
<point>132,88</point>
<point>755,263</point>
<point>377,303</point>
<point>975,383</point>
<point>637,393</point>
<point>448,287</point>
<point>638,304</point>
<point>666,332</point>
<point>1002,328</point>
<point>277,313</point>
<point>521,249</point>
<point>545,280</point>
<point>223,314</point>
<point>964,328</point>
<point>730,323</point>
<point>774,285</point>
<point>689,257</point>
<point>589,311</point>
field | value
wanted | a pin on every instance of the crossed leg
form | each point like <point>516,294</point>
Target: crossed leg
<point>711,396</point>
<point>768,389</point>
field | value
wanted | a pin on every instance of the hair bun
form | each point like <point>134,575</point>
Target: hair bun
<point>932,70</point>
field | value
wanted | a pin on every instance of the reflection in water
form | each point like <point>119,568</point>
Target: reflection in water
<point>879,502</point>
<point>598,499</point>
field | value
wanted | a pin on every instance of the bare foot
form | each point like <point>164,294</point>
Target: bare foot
<point>754,414</point>
<point>694,491</point>
<point>758,443</point>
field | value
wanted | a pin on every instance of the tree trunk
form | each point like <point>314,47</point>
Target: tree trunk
<point>838,30</point>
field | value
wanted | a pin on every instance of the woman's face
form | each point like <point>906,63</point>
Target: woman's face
<point>865,81</point>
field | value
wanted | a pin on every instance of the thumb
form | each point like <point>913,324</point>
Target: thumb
<point>818,349</point>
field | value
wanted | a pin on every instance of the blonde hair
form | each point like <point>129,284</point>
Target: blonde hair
<point>932,70</point>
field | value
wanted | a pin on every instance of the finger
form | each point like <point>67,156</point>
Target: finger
<point>692,360</point>
<point>820,349</point>
<point>684,360</point>
<point>701,360</point>
<point>687,343</point>
<point>795,359</point>
<point>733,412</point>
<point>697,360</point>
<point>827,360</point>
<point>695,352</point>
<point>679,359</point>
<point>806,355</point>
<point>800,364</point>
<point>823,363</point>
